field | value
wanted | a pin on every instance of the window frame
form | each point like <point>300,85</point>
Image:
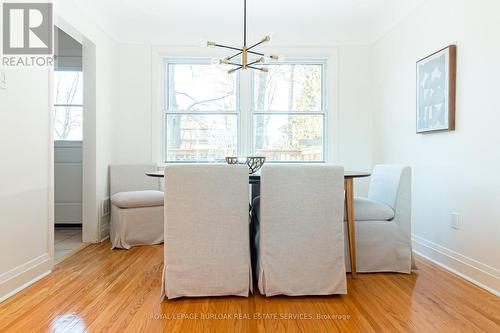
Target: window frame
<point>68,105</point>
<point>323,112</point>
<point>245,85</point>
<point>165,105</point>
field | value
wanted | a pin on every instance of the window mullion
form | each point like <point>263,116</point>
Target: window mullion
<point>245,119</point>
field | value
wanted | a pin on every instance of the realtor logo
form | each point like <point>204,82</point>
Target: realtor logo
<point>27,28</point>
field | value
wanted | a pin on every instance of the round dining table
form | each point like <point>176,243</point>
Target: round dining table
<point>349,176</point>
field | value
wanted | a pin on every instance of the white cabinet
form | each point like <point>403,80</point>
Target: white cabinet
<point>68,182</point>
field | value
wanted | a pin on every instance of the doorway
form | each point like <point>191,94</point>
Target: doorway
<point>68,145</point>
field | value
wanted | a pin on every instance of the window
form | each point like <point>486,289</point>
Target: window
<point>280,114</point>
<point>68,105</point>
<point>201,112</point>
<point>288,112</point>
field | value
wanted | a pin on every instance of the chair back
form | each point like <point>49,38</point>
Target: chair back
<point>124,178</point>
<point>207,250</point>
<point>301,230</point>
<point>388,182</point>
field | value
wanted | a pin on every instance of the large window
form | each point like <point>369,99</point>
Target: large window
<point>289,114</point>
<point>68,105</point>
<point>201,112</point>
<point>279,114</point>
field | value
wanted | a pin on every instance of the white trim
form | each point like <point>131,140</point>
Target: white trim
<point>51,177</point>
<point>245,121</point>
<point>166,61</point>
<point>4,277</point>
<point>478,273</point>
<point>22,276</point>
<point>333,119</point>
<point>27,284</point>
<point>157,140</point>
<point>324,111</point>
<point>90,220</point>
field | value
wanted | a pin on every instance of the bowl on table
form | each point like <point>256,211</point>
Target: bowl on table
<point>254,162</point>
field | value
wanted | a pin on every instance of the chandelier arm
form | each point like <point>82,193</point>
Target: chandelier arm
<point>237,54</point>
<point>253,67</point>
<point>256,44</point>
<point>256,53</point>
<point>228,47</point>
<point>244,51</point>
<point>234,69</point>
<point>254,62</point>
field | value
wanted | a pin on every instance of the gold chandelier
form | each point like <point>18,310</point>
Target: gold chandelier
<point>245,51</point>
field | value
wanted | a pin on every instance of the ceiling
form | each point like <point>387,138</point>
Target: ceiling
<point>291,22</point>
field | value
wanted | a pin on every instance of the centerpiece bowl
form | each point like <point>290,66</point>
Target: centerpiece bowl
<point>254,162</point>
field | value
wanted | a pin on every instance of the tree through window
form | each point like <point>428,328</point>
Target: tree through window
<point>68,105</point>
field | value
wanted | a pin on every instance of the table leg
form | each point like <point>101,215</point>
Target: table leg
<point>349,211</point>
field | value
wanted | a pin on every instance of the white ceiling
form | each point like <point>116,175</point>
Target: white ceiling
<point>291,22</point>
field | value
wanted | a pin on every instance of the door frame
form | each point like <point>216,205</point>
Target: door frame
<point>90,220</point>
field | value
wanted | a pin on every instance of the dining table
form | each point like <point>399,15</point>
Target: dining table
<point>349,176</point>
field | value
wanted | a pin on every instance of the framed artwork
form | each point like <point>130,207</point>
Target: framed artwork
<point>436,89</point>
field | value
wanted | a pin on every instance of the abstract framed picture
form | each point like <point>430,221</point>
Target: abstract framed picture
<point>436,90</point>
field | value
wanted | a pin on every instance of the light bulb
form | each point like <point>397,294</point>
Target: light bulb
<point>259,60</point>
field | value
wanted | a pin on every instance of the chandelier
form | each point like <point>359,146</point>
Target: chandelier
<point>245,52</point>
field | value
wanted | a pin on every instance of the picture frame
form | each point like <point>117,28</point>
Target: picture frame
<point>436,91</point>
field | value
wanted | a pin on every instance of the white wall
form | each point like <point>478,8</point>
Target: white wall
<point>133,114</point>
<point>25,178</point>
<point>373,92</point>
<point>452,171</point>
<point>137,117</point>
<point>354,112</point>
<point>26,171</point>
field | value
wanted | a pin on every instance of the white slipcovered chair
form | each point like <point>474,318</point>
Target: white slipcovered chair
<point>301,237</point>
<point>136,206</point>
<point>207,251</point>
<point>383,222</point>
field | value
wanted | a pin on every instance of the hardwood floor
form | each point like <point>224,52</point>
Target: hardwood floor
<point>103,290</point>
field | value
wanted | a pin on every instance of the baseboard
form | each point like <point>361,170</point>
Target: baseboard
<point>20,277</point>
<point>480,274</point>
<point>68,225</point>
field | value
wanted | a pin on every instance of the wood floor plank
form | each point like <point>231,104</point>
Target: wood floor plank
<point>103,290</point>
